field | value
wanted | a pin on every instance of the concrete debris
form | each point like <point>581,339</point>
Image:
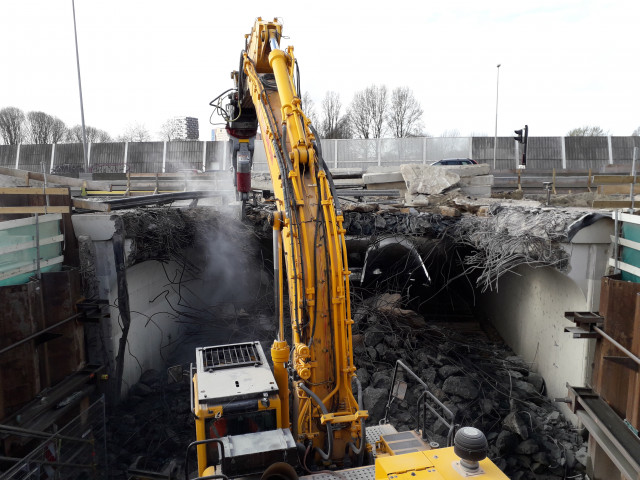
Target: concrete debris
<point>151,427</point>
<point>359,207</point>
<point>427,179</point>
<point>388,305</point>
<point>375,399</point>
<point>482,382</point>
<point>367,221</point>
<point>463,387</point>
<point>449,211</point>
<point>383,180</point>
<point>582,456</point>
<point>528,447</point>
<point>416,199</point>
<point>509,237</point>
<point>435,179</point>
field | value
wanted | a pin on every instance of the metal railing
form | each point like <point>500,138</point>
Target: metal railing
<point>77,450</point>
<point>427,401</point>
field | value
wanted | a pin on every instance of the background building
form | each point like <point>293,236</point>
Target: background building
<point>186,128</point>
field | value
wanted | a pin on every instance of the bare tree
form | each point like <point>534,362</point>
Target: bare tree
<point>379,109</point>
<point>405,115</point>
<point>636,132</point>
<point>587,131</point>
<point>368,112</point>
<point>309,109</point>
<point>332,123</point>
<point>94,135</point>
<point>135,133</point>
<point>360,115</point>
<point>169,130</point>
<point>451,133</point>
<point>12,125</point>
<point>44,128</point>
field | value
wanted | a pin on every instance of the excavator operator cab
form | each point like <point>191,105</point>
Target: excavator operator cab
<point>235,399</point>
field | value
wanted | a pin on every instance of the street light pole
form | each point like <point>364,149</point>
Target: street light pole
<point>495,135</point>
<point>84,131</point>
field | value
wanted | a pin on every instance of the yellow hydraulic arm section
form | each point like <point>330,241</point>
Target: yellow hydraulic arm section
<point>309,241</point>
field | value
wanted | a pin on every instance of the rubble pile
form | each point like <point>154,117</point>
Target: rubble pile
<point>480,381</point>
<point>372,219</point>
<point>150,430</point>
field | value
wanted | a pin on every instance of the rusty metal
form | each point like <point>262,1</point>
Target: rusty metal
<point>39,333</point>
<point>584,321</point>
<point>617,345</point>
<point>41,413</point>
<point>20,316</point>
<point>589,324</point>
<point>608,429</point>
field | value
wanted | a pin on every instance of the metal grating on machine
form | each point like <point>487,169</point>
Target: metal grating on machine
<point>376,431</point>
<point>362,473</point>
<point>225,356</point>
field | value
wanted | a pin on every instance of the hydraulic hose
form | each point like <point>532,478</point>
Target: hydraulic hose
<point>332,187</point>
<point>323,408</point>
<point>359,450</point>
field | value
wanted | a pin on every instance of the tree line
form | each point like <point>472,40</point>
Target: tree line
<point>594,131</point>
<point>372,113</point>
<point>40,128</point>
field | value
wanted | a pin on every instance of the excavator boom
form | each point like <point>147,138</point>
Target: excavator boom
<point>307,404</point>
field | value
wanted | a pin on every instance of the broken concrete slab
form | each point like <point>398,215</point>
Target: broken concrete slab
<point>428,179</point>
<point>384,180</point>
<point>415,200</point>
<point>480,180</point>
<point>476,191</point>
<point>466,170</point>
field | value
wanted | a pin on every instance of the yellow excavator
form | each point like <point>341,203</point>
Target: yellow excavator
<point>301,417</point>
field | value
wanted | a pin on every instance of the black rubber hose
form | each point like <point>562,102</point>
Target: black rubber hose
<point>332,187</point>
<point>321,406</point>
<point>359,450</point>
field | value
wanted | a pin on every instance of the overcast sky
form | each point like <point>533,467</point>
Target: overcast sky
<point>565,63</point>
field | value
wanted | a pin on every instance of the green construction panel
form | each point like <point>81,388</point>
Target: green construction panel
<point>628,255</point>
<point>25,259</point>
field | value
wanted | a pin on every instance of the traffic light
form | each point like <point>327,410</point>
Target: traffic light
<point>523,137</point>
<point>520,137</point>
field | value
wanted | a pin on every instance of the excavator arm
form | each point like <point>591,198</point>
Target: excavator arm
<point>309,247</point>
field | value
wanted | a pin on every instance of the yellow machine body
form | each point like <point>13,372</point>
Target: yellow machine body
<point>437,464</point>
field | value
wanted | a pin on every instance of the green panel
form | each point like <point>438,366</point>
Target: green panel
<point>25,258</point>
<point>628,255</point>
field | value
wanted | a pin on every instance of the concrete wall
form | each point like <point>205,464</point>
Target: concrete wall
<point>165,300</point>
<point>153,326</point>
<point>528,310</point>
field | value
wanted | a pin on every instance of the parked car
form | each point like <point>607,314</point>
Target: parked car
<point>455,161</point>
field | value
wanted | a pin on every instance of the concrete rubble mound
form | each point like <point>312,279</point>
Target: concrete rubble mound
<point>481,381</point>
